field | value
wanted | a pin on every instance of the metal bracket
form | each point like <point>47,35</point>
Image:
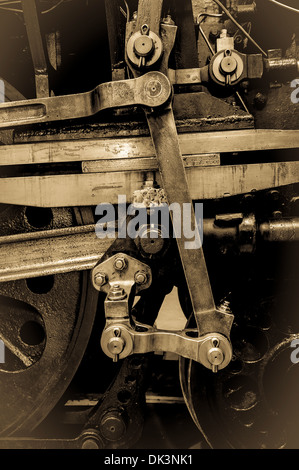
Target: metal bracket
<point>121,277</point>
<point>124,271</point>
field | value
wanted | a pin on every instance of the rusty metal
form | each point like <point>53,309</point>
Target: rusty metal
<point>118,165</point>
<point>245,390</point>
<point>121,277</point>
<point>175,185</point>
<point>276,230</point>
<point>226,11</point>
<point>114,422</point>
<point>62,190</point>
<point>281,64</point>
<point>144,48</point>
<point>166,144</point>
<point>118,417</point>
<point>244,10</point>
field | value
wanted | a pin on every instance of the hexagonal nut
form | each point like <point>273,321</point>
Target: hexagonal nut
<point>140,278</point>
<point>120,263</point>
<point>100,279</point>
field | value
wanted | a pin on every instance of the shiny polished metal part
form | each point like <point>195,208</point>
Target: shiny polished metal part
<point>123,336</point>
<point>149,339</point>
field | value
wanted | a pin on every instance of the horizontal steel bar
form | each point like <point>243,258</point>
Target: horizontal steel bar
<point>44,255</point>
<point>77,248</point>
<point>277,230</point>
<point>185,76</point>
<point>133,92</point>
<point>96,188</point>
<point>141,147</point>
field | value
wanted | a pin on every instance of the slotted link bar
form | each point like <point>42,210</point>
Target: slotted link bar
<point>165,139</point>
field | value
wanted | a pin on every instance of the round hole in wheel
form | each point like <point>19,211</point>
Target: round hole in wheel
<point>39,217</point>
<point>32,333</point>
<point>240,393</point>
<point>124,396</point>
<point>235,366</point>
<point>40,285</point>
<point>23,333</point>
<point>34,377</point>
<point>250,344</point>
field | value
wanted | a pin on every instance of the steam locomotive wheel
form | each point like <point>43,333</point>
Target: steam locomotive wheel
<point>253,402</point>
<point>45,326</point>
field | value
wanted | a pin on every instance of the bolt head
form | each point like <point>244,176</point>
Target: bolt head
<point>223,33</point>
<point>260,100</point>
<point>140,278</point>
<point>116,293</point>
<point>168,20</point>
<point>120,263</point>
<point>154,88</point>
<point>100,279</point>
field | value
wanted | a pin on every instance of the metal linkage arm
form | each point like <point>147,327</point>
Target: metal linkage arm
<point>210,321</point>
<point>175,184</point>
<point>152,89</point>
<point>121,277</point>
<point>213,352</point>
